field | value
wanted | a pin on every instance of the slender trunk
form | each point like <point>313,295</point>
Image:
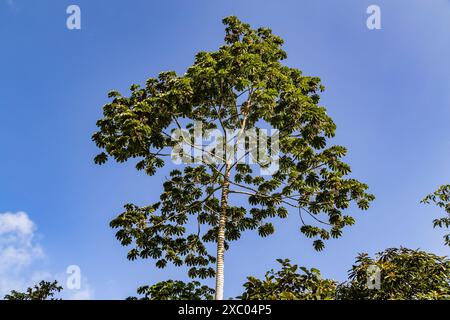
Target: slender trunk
<point>221,235</point>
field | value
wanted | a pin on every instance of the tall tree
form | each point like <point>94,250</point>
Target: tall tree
<point>242,86</point>
<point>404,274</point>
<point>441,198</point>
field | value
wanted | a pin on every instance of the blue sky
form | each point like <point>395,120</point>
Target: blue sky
<point>387,90</point>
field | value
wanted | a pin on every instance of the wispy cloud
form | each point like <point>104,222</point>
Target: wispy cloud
<point>18,250</point>
<point>9,2</point>
<point>85,293</point>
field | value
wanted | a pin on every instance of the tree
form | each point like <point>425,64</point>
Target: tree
<point>288,284</point>
<point>42,291</point>
<point>241,87</point>
<point>175,290</point>
<point>441,198</point>
<point>405,274</point>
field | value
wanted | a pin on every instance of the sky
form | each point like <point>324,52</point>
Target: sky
<point>387,90</point>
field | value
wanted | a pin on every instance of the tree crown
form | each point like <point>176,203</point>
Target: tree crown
<point>243,85</point>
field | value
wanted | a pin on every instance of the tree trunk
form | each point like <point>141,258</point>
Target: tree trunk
<point>221,235</point>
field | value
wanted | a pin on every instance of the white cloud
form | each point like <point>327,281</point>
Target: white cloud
<point>18,223</point>
<point>20,254</point>
<point>18,250</point>
<point>83,294</point>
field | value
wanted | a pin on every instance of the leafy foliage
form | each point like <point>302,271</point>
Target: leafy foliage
<point>288,284</point>
<point>243,85</point>
<point>42,291</point>
<point>405,274</point>
<point>441,198</point>
<point>175,290</point>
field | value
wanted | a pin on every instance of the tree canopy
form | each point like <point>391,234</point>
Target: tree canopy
<point>43,291</point>
<point>175,290</point>
<point>404,274</point>
<point>289,284</point>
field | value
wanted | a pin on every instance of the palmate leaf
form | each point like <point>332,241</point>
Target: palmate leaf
<point>318,245</point>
